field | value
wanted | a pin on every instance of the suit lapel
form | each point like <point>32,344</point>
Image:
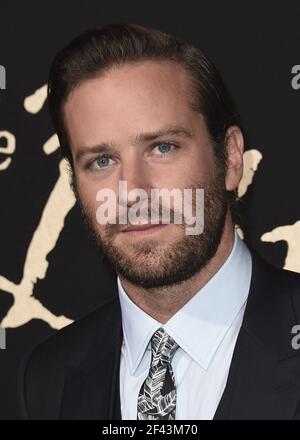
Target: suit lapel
<point>264,376</point>
<point>92,389</point>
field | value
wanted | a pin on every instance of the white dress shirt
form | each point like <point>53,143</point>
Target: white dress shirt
<point>205,328</point>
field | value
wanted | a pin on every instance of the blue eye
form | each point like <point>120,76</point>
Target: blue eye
<point>165,148</point>
<point>102,161</point>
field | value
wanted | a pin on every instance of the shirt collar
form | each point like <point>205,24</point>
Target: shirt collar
<point>210,312</point>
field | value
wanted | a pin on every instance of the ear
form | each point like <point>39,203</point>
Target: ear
<point>235,150</point>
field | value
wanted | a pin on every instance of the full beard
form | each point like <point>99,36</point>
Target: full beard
<point>153,265</point>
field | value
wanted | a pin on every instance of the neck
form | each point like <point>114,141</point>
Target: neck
<point>163,303</point>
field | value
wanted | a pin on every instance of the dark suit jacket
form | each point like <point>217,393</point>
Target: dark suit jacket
<point>75,373</point>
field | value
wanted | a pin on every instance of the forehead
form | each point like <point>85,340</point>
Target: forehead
<point>140,96</point>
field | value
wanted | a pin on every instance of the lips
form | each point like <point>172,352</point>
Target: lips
<point>142,228</point>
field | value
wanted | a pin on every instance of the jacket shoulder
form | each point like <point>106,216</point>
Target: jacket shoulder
<point>282,284</point>
<point>43,368</point>
<point>73,338</point>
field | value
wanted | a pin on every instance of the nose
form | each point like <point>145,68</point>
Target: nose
<point>135,177</point>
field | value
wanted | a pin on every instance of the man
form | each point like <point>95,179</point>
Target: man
<point>200,327</point>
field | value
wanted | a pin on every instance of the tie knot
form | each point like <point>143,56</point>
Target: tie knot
<point>163,347</point>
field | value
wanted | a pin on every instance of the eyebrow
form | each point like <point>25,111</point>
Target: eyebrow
<point>170,130</point>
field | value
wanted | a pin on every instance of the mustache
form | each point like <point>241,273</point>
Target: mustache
<point>145,217</point>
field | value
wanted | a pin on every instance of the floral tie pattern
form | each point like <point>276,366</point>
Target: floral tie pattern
<point>157,396</point>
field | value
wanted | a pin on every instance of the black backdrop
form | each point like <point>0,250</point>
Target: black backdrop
<point>255,45</point>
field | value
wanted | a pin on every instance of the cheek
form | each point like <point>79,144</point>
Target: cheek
<point>187,172</point>
<point>89,183</point>
<point>88,189</point>
<point>87,193</point>
<point>201,167</point>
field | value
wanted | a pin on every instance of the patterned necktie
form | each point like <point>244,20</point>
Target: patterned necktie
<point>157,396</point>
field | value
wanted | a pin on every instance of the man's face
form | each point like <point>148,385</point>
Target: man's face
<point>112,110</point>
